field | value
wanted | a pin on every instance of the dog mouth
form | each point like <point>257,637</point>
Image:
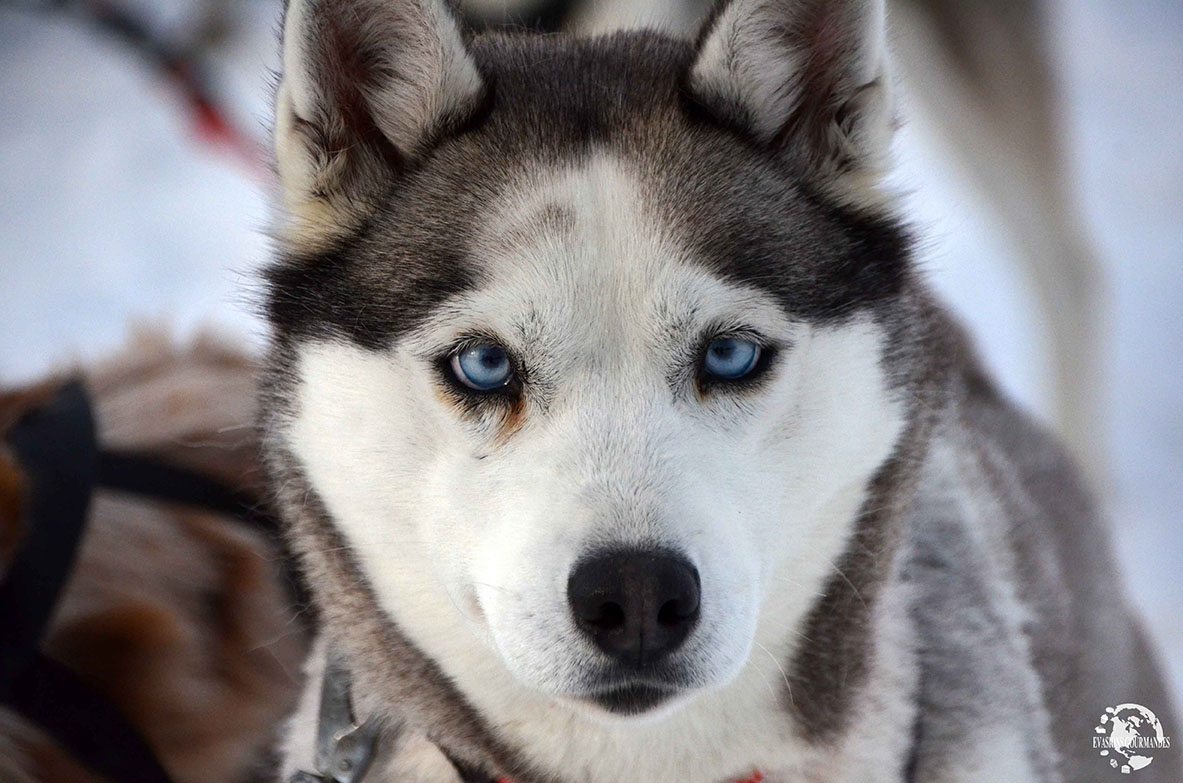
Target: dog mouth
<point>627,693</point>
<point>631,698</point>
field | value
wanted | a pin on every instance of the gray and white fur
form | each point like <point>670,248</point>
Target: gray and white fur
<point>898,576</point>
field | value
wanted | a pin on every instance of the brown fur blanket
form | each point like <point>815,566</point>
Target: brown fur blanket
<point>178,616</point>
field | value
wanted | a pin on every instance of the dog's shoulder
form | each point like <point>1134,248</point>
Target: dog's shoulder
<point>1012,571</point>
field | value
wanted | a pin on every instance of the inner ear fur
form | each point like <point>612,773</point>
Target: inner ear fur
<point>809,78</point>
<point>367,87</point>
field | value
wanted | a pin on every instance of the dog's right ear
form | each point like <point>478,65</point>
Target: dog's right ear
<point>367,86</point>
<point>807,78</point>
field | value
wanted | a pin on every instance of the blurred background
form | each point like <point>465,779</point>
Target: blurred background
<point>133,194</point>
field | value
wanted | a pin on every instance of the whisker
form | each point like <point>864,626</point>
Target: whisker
<point>780,669</point>
<point>857,594</point>
<point>767,682</point>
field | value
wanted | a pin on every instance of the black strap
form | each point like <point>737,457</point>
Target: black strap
<point>84,722</point>
<point>146,475</point>
<point>55,445</point>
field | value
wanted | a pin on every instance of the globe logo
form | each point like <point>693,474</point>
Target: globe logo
<point>1128,736</point>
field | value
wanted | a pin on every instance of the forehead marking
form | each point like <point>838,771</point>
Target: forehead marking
<point>579,262</point>
<point>588,222</point>
<point>549,223</point>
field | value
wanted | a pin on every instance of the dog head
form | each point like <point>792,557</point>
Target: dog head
<point>588,348</point>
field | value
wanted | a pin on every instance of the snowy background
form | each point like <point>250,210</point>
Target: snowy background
<point>111,213</point>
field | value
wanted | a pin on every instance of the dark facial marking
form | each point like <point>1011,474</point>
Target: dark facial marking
<point>740,209</point>
<point>550,224</point>
<point>335,295</point>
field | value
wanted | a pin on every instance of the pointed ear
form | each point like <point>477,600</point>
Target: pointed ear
<point>807,76</point>
<point>367,86</point>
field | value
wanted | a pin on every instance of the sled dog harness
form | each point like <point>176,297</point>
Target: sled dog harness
<point>56,449</point>
<point>346,747</point>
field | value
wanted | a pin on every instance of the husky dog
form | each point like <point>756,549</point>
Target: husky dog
<point>620,439</point>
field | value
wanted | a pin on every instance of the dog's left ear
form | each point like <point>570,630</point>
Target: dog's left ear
<point>809,77</point>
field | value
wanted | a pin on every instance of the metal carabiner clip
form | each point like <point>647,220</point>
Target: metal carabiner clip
<point>344,747</point>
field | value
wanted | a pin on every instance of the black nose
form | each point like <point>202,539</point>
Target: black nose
<point>636,606</point>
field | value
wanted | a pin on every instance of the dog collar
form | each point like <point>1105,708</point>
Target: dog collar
<point>755,777</point>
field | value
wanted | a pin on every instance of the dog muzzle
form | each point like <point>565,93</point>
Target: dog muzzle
<point>346,747</point>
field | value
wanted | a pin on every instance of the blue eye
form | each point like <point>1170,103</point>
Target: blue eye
<point>730,358</point>
<point>482,367</point>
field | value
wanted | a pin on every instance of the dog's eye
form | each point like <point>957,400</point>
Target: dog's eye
<point>482,367</point>
<point>730,358</point>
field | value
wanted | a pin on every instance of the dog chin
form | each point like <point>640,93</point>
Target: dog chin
<point>632,700</point>
<point>631,703</point>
